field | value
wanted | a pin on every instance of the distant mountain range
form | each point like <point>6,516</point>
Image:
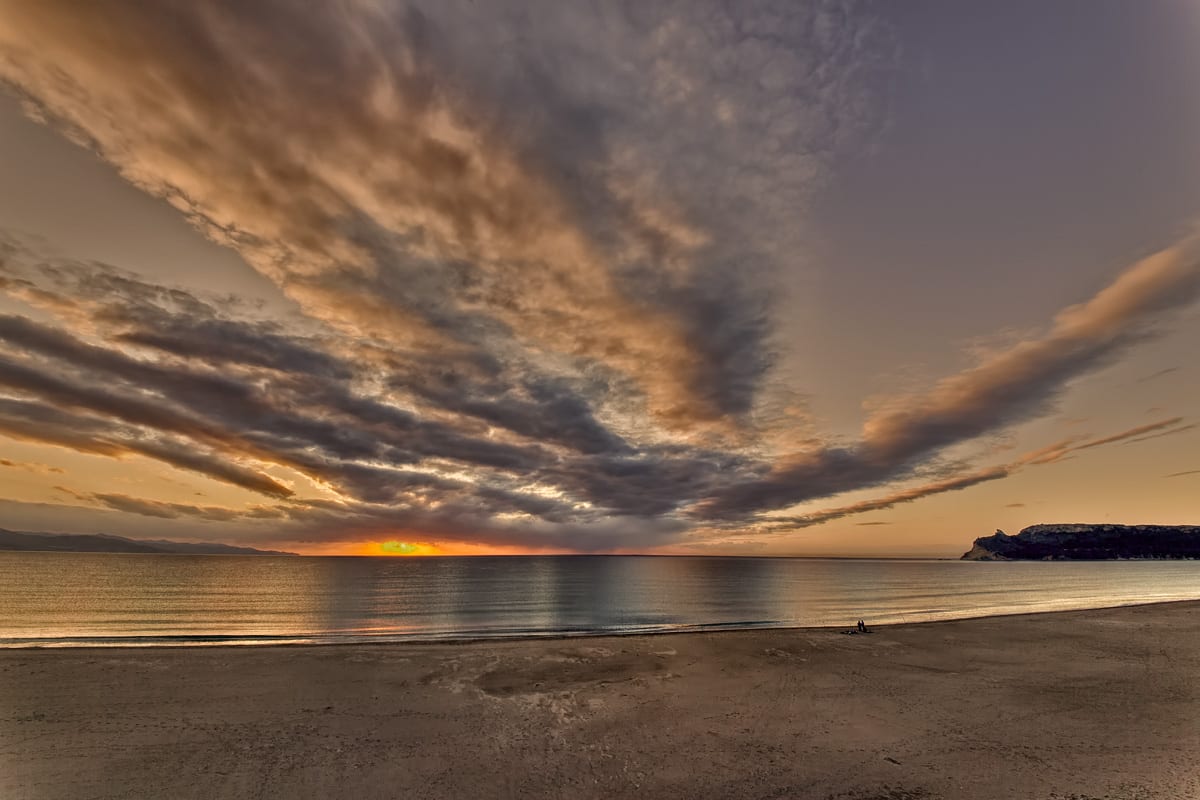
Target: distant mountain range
<point>1088,543</point>
<point>105,543</point>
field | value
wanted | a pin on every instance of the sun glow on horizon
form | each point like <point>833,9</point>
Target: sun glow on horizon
<point>395,547</point>
<point>398,548</point>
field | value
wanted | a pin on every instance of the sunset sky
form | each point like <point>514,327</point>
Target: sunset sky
<point>480,277</point>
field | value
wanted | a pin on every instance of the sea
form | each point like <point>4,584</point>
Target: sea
<point>107,600</point>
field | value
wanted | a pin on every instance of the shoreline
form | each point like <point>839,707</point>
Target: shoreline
<point>555,636</point>
<point>1093,703</point>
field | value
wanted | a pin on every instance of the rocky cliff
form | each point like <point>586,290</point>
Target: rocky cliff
<point>1088,543</point>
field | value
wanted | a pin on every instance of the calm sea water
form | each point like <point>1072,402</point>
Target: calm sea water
<point>91,599</point>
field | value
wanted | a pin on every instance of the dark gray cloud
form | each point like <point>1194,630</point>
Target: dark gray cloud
<point>38,422</point>
<point>1171,432</point>
<point>1132,433</point>
<point>121,398</point>
<point>894,499</point>
<point>153,508</point>
<point>1159,374</point>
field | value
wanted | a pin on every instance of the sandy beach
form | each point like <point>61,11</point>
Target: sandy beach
<point>1067,706</point>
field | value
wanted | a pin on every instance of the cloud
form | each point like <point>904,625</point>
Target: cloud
<point>1062,449</point>
<point>1053,452</point>
<point>524,204</point>
<point>1020,381</point>
<point>283,419</point>
<point>1050,454</point>
<point>1180,429</point>
<point>1158,374</point>
<point>894,499</point>
<point>1015,384</point>
<point>162,510</point>
<point>1131,433</point>
<point>532,255</point>
<point>1181,474</point>
<point>30,467</point>
<point>533,464</point>
<point>35,422</point>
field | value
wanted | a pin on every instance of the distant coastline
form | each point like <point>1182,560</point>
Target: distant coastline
<point>1098,542</point>
<point>28,541</point>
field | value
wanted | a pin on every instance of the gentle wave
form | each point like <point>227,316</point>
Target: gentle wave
<point>110,600</point>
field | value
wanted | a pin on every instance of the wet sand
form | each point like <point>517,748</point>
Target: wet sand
<point>1084,705</point>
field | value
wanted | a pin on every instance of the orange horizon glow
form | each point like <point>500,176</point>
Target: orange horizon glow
<point>408,548</point>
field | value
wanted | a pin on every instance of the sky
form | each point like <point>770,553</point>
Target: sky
<point>821,278</point>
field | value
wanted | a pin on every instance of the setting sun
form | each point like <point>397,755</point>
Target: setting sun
<point>394,548</point>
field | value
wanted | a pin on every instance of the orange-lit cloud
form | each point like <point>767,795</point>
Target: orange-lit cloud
<point>290,405</point>
<point>412,202</point>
